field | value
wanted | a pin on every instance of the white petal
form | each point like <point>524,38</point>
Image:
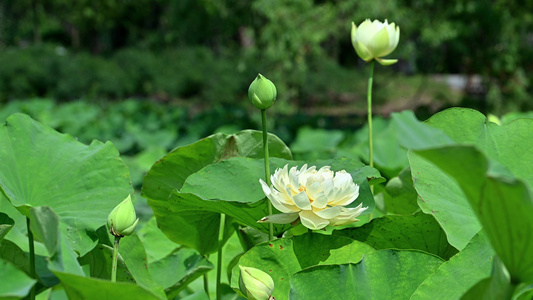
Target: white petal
<point>280,204</point>
<point>312,221</point>
<point>320,201</point>
<point>348,215</point>
<point>329,213</point>
<point>280,218</point>
<point>266,188</point>
<point>302,201</point>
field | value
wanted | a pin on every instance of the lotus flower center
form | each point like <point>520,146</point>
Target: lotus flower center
<point>303,189</point>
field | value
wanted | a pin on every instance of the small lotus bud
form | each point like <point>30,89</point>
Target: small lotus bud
<point>262,92</point>
<point>122,219</point>
<point>494,119</point>
<point>256,284</point>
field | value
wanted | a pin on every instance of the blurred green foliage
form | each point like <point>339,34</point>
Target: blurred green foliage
<point>210,50</point>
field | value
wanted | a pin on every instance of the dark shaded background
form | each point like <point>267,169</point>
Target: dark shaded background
<point>205,53</point>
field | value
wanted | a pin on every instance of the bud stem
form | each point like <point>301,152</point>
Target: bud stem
<point>115,260</point>
<point>32,258</point>
<point>219,257</point>
<point>267,170</point>
<point>369,104</point>
<point>369,99</point>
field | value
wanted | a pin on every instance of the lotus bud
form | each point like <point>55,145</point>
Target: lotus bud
<point>494,119</point>
<point>262,92</point>
<point>373,40</point>
<point>256,284</point>
<point>122,220</point>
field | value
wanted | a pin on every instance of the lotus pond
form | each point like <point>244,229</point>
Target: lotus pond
<point>402,209</point>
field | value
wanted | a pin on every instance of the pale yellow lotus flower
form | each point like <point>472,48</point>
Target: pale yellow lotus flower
<point>373,40</point>
<point>317,197</point>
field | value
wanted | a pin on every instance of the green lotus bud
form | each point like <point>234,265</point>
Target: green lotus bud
<point>256,284</point>
<point>122,219</point>
<point>373,40</point>
<point>494,119</point>
<point>262,92</point>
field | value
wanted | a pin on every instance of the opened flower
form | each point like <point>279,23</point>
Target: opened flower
<point>373,40</point>
<point>317,197</point>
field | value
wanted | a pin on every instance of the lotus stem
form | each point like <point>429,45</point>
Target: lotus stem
<point>206,285</point>
<point>115,260</point>
<point>369,104</point>
<point>219,257</point>
<point>33,273</point>
<point>267,170</point>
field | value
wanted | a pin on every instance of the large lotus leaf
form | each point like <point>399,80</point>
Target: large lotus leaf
<point>78,287</point>
<point>100,261</point>
<point>413,134</point>
<point>10,252</point>
<point>6,223</point>
<point>508,149</point>
<point>81,183</point>
<point>170,172</point>
<point>132,251</point>
<point>441,196</point>
<point>504,206</point>
<point>508,145</point>
<point>44,224</point>
<point>454,278</point>
<point>383,274</point>
<point>496,287</point>
<point>190,221</point>
<point>15,284</point>
<point>156,244</point>
<point>19,232</point>
<point>400,196</point>
<point>284,257</point>
<point>132,262</point>
<point>418,232</point>
<point>175,271</point>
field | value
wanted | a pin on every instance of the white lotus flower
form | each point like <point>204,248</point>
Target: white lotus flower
<point>317,197</point>
<point>373,40</point>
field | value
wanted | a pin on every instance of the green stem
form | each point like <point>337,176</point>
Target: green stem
<point>219,257</point>
<point>369,104</point>
<point>206,285</point>
<point>115,260</point>
<point>33,274</point>
<point>267,170</point>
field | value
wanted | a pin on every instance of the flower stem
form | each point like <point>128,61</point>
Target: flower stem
<point>33,274</point>
<point>219,257</point>
<point>369,104</point>
<point>115,260</point>
<point>267,170</point>
<point>206,285</point>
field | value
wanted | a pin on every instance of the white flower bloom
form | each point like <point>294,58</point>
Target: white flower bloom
<point>373,40</point>
<point>317,197</point>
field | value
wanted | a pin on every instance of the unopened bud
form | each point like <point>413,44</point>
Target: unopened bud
<point>256,284</point>
<point>262,92</point>
<point>122,220</point>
